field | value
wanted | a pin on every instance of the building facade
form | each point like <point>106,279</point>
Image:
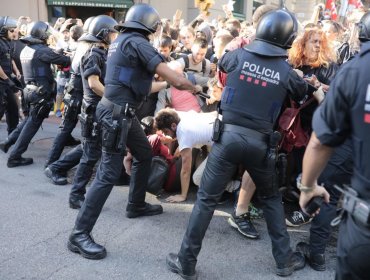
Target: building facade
<point>50,10</point>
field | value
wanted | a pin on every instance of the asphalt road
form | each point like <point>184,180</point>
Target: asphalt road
<point>35,222</point>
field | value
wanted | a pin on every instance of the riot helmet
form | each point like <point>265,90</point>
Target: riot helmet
<point>141,17</point>
<point>37,32</point>
<point>275,33</point>
<point>99,28</point>
<point>6,23</point>
<point>364,28</point>
<point>87,24</point>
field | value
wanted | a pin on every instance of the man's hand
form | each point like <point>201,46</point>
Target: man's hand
<point>304,198</point>
<point>175,198</point>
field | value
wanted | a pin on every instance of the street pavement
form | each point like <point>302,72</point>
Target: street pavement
<point>35,222</point>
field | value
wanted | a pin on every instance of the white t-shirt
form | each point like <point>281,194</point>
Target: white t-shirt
<point>194,129</point>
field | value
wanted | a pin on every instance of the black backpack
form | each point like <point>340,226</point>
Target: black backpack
<point>158,175</point>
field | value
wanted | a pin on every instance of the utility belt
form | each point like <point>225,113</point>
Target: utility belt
<point>358,208</point>
<point>272,139</point>
<point>246,131</point>
<point>89,127</point>
<point>115,130</point>
<point>33,93</point>
<point>118,109</point>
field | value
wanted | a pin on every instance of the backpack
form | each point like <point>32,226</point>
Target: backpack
<point>158,175</point>
<point>186,68</point>
<point>293,135</point>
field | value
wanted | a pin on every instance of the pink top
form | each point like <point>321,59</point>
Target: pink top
<point>184,100</point>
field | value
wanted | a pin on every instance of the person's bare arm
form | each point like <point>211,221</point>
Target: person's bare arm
<point>186,157</point>
<point>175,79</point>
<point>95,85</point>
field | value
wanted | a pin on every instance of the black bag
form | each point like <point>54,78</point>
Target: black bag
<point>158,175</point>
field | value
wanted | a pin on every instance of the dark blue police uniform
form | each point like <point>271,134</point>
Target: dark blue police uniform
<point>72,107</point>
<point>8,102</point>
<point>131,66</point>
<point>345,113</point>
<point>92,63</point>
<point>36,61</point>
<point>251,102</point>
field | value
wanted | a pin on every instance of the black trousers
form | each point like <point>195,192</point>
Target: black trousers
<point>91,155</point>
<point>109,171</point>
<point>353,251</point>
<point>9,107</point>
<point>225,157</point>
<point>63,135</point>
<point>23,134</point>
<point>67,161</point>
<point>337,172</point>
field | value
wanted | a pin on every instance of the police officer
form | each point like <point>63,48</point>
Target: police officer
<point>8,102</point>
<point>258,81</point>
<point>72,101</point>
<point>92,69</point>
<point>36,60</point>
<point>131,65</point>
<point>345,113</point>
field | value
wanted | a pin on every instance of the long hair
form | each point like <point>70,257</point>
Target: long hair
<point>297,57</point>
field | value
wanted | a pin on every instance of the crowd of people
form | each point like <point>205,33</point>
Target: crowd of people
<point>211,100</point>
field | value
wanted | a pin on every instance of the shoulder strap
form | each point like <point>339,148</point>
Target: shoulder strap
<point>186,60</point>
<point>204,64</point>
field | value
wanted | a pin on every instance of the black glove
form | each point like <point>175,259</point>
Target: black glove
<point>10,83</point>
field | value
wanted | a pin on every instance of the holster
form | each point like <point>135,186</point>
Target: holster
<point>274,140</point>
<point>41,109</point>
<point>114,135</point>
<point>32,94</point>
<point>72,107</point>
<point>217,127</point>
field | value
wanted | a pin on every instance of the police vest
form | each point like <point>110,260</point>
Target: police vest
<point>127,80</point>
<point>88,95</point>
<point>5,57</point>
<point>34,69</point>
<point>255,91</point>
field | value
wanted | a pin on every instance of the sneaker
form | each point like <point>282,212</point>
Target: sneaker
<point>58,114</point>
<point>244,225</point>
<point>254,212</point>
<point>316,261</point>
<point>297,218</point>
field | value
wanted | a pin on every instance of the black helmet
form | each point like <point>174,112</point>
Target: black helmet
<point>143,17</point>
<point>87,24</point>
<point>6,23</point>
<point>275,33</point>
<point>37,32</point>
<point>364,28</point>
<point>99,28</point>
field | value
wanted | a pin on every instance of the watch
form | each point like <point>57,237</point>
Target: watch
<point>304,188</point>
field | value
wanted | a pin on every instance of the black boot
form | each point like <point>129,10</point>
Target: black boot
<point>14,162</point>
<point>76,202</point>
<point>296,262</point>
<point>316,261</point>
<point>174,265</point>
<point>134,210</point>
<point>4,146</point>
<point>82,243</point>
